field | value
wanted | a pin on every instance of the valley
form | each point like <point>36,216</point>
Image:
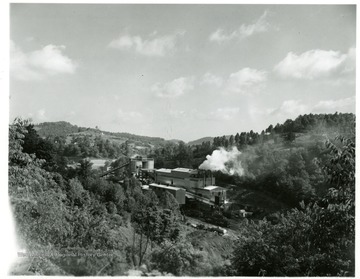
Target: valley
<point>212,205</point>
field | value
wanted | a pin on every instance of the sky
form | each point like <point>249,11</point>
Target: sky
<point>180,71</point>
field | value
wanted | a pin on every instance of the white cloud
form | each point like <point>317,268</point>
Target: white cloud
<point>154,46</point>
<point>39,64</point>
<point>220,114</point>
<point>174,88</point>
<point>256,112</point>
<point>341,105</point>
<point>246,80</point>
<point>261,25</point>
<point>291,108</point>
<point>39,116</point>
<point>350,62</point>
<point>226,113</point>
<point>212,80</point>
<point>129,116</point>
<point>313,64</point>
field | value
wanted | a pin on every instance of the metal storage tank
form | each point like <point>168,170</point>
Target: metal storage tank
<point>136,165</point>
<point>148,164</point>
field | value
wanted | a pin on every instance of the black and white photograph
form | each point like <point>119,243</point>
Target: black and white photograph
<point>158,139</point>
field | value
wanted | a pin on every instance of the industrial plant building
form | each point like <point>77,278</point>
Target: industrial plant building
<point>180,182</point>
<point>215,194</point>
<point>178,193</point>
<point>186,178</point>
<point>139,164</point>
<point>197,182</point>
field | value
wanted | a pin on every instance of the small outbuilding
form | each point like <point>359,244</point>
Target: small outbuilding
<point>214,193</point>
<point>178,193</point>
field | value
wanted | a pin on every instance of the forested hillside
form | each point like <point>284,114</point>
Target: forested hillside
<point>78,223</point>
<point>79,142</point>
<point>62,128</point>
<point>285,161</point>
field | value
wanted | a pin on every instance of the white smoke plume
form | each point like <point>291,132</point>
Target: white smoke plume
<point>227,162</point>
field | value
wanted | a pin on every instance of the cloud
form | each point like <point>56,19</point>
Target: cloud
<point>153,46</point>
<point>174,88</point>
<point>291,108</point>
<point>39,116</point>
<point>246,80</point>
<point>226,113</point>
<point>212,80</point>
<point>260,25</point>
<point>350,62</point>
<point>130,116</point>
<point>39,64</point>
<point>220,114</point>
<point>343,105</point>
<point>256,112</point>
<point>314,64</point>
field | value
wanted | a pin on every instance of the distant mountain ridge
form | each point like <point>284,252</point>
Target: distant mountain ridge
<point>300,124</point>
<point>63,128</point>
<point>201,140</point>
<point>66,129</point>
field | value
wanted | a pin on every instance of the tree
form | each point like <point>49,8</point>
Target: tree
<point>151,223</point>
<point>168,201</point>
<point>84,172</point>
<point>183,155</point>
<point>36,198</point>
<point>341,167</point>
<point>42,148</point>
<point>53,216</point>
<point>231,140</point>
<point>237,139</point>
<point>269,129</point>
<point>76,192</point>
<point>180,259</point>
<point>316,240</point>
<point>289,137</point>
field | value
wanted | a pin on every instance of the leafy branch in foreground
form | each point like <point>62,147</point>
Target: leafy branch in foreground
<point>315,240</point>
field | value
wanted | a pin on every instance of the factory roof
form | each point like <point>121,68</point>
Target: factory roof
<point>165,187</point>
<point>139,158</point>
<point>164,170</point>
<point>210,188</point>
<point>184,170</point>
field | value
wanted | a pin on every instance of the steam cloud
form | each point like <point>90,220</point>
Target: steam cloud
<point>227,162</point>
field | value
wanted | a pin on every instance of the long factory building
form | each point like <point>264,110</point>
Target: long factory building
<point>179,181</point>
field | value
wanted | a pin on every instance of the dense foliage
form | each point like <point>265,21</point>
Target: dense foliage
<point>73,141</point>
<point>288,131</point>
<point>316,240</point>
<point>62,128</point>
<point>83,215</point>
<point>108,228</point>
<point>284,161</point>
